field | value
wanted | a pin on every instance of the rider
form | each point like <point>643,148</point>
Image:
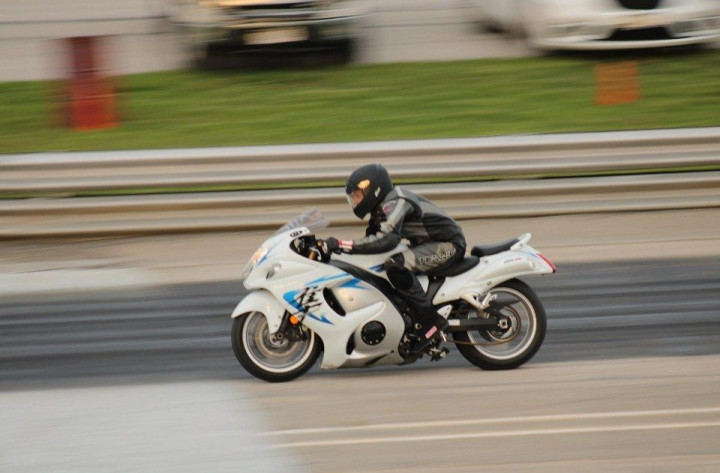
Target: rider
<point>436,241</point>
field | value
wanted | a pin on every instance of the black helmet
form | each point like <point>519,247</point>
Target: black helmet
<point>373,183</point>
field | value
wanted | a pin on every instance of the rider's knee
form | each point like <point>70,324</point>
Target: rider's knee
<point>398,274</point>
<point>395,261</point>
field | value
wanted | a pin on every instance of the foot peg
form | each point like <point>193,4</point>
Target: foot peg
<point>437,354</point>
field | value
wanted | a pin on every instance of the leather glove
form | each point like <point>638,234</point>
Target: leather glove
<point>331,245</point>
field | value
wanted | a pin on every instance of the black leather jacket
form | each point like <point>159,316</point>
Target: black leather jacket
<point>406,215</point>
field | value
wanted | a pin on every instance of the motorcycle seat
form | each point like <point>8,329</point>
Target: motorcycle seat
<point>481,251</point>
<point>465,265</point>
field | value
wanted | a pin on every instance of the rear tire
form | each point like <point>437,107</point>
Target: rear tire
<point>516,345</point>
<point>268,357</point>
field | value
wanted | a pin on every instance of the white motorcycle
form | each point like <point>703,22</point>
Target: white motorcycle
<point>303,301</point>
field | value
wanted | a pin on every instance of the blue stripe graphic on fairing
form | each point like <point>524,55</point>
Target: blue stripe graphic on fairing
<point>353,283</point>
<point>263,258</point>
<point>315,282</point>
<point>290,299</point>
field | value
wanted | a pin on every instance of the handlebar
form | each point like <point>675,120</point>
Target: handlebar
<point>319,250</point>
<point>312,248</point>
<point>315,254</point>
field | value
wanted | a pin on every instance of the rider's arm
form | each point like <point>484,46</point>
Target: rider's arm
<point>387,236</point>
<point>373,226</point>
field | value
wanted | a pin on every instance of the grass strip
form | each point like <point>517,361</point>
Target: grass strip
<point>369,102</point>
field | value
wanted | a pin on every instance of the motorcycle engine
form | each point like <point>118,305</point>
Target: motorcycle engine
<point>373,332</point>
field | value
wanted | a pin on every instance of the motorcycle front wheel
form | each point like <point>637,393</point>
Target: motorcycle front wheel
<point>523,325</point>
<point>273,357</point>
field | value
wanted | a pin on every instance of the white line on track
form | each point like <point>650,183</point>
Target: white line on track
<point>514,433</point>
<point>502,420</point>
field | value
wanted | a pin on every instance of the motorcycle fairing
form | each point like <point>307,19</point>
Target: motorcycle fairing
<point>296,286</point>
<point>286,281</point>
<point>491,271</point>
<point>262,301</point>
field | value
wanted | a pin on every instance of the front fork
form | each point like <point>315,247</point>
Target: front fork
<point>291,327</point>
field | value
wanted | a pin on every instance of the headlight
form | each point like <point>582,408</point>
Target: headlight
<point>259,254</point>
<point>699,26</point>
<point>584,30</point>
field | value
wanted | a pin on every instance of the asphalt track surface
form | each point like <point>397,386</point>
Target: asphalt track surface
<point>628,381</point>
<point>596,311</point>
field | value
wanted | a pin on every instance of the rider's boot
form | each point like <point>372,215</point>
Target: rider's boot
<point>427,323</point>
<point>429,326</point>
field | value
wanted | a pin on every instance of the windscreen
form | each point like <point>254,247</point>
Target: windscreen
<point>313,219</point>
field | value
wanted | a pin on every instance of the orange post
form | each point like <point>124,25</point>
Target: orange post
<point>617,83</point>
<point>91,96</point>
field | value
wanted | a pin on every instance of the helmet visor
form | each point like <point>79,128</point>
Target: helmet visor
<point>355,197</point>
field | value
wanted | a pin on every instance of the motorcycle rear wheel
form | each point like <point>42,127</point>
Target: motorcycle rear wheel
<point>271,357</point>
<point>525,316</point>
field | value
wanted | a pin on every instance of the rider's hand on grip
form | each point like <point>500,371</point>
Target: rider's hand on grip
<point>330,245</point>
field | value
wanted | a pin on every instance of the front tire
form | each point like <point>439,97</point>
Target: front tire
<point>270,357</point>
<point>521,308</point>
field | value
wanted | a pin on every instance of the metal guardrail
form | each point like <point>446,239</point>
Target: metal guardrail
<point>40,218</point>
<point>427,160</point>
<point>510,159</point>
